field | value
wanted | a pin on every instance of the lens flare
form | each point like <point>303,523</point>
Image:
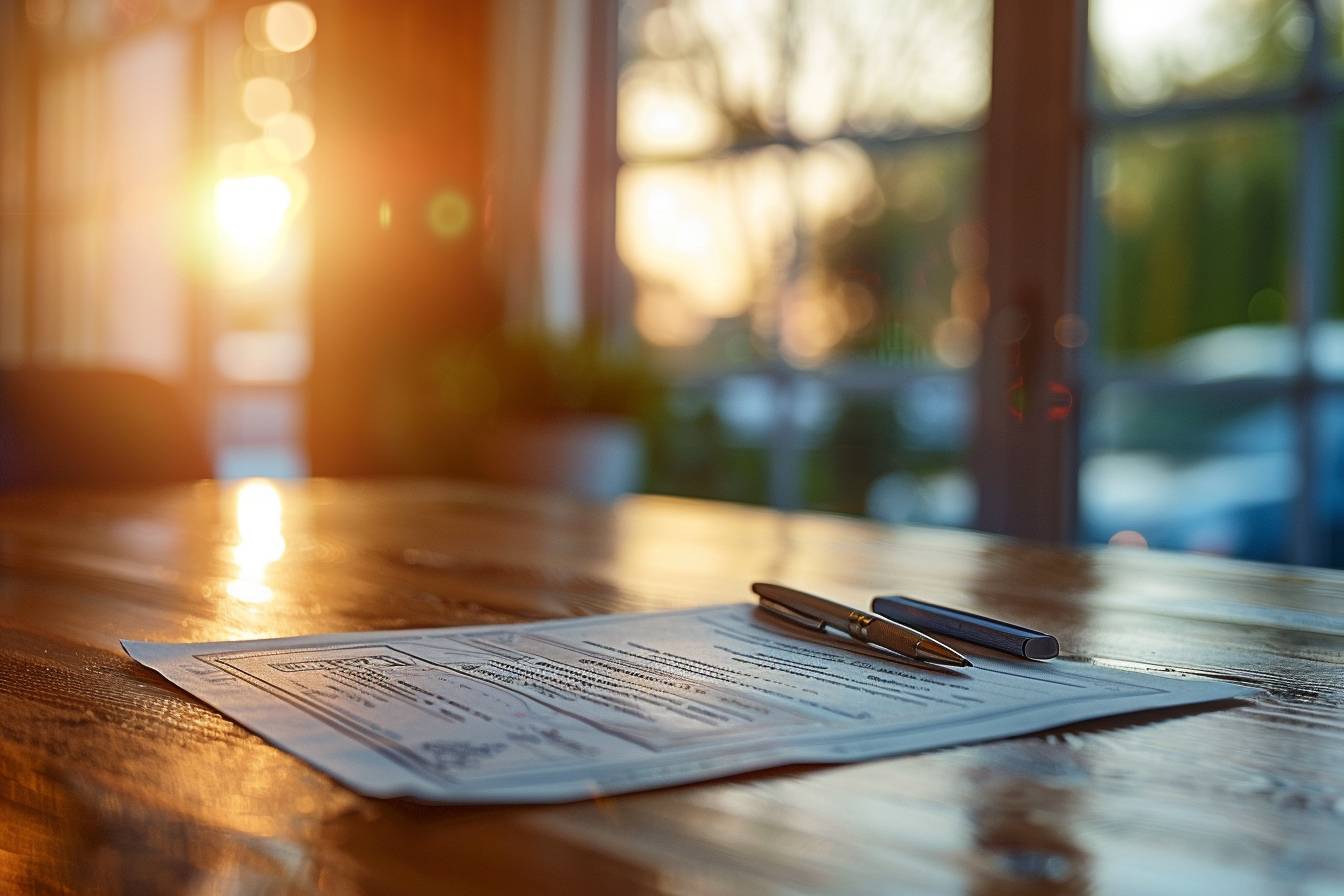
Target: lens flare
<point>448,215</point>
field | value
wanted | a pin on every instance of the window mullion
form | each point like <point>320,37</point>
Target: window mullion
<point>1311,262</point>
<point>1024,451</point>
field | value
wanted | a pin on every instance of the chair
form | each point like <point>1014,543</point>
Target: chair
<point>94,427</point>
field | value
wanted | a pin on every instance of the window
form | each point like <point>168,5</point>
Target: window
<point>151,205</point>
<point>798,205</point>
<point>1209,295</point>
<point>106,159</point>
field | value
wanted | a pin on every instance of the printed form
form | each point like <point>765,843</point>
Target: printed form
<point>576,708</point>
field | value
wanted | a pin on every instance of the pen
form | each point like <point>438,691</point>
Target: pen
<point>970,627</point>
<point>818,612</point>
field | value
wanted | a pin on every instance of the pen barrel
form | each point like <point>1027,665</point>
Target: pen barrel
<point>885,633</point>
<point>982,630</point>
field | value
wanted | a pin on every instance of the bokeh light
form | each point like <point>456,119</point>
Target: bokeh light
<point>448,214</point>
<point>667,320</point>
<point>970,296</point>
<point>1267,306</point>
<point>294,131</point>
<point>264,155</point>
<point>679,229</point>
<point>250,211</point>
<point>1129,538</point>
<point>833,181</point>
<point>956,342</point>
<point>1071,331</point>
<point>661,119</point>
<point>289,26</point>
<point>254,28</point>
<point>266,98</point>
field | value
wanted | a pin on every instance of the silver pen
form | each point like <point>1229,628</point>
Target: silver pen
<point>818,612</point>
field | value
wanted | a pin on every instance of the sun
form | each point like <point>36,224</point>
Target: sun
<point>250,211</point>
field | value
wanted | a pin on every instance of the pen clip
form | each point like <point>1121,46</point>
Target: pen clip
<point>791,614</point>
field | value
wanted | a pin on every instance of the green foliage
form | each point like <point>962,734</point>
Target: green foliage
<point>529,375</point>
<point>693,453</point>
<point>1196,231</point>
<point>435,398</point>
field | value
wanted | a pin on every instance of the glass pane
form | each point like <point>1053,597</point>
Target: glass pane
<point>710,246</point>
<point>1332,21</point>
<point>710,442</point>
<point>898,457</point>
<point>1328,348</point>
<point>898,275</point>
<point>1150,52</point>
<point>1329,434</point>
<point>1181,470</point>
<point>1193,247</point>
<point>699,74</point>
<point>257,433</point>
<point>816,255</point>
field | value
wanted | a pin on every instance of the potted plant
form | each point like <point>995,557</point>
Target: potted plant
<point>527,409</point>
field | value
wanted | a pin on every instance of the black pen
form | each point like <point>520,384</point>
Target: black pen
<point>817,612</point>
<point>995,633</point>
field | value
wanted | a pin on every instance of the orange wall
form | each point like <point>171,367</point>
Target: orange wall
<point>401,113</point>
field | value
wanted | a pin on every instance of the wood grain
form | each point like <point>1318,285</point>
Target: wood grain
<point>113,780</point>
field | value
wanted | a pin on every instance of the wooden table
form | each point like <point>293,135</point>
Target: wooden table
<point>113,780</point>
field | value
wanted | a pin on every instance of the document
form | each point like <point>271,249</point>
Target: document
<point>575,708</point>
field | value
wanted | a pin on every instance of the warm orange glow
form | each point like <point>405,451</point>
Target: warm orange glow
<point>250,212</point>
<point>265,98</point>
<point>297,183</point>
<point>668,320</point>
<point>680,226</point>
<point>815,321</point>
<point>264,155</point>
<point>970,296</point>
<point>290,26</point>
<point>661,119</point>
<point>44,13</point>
<point>260,543</point>
<point>187,10</point>
<point>230,158</point>
<point>833,181</point>
<point>294,132</point>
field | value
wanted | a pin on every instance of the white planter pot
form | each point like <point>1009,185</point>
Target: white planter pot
<point>594,457</point>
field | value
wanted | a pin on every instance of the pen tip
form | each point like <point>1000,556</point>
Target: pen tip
<point>935,652</point>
